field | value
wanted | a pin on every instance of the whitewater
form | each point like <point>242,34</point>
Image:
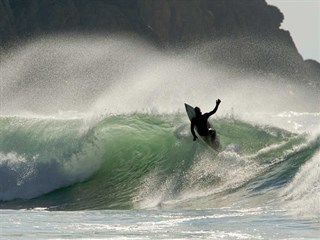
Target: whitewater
<point>95,144</point>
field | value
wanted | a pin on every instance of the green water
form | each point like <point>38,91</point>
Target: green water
<point>120,161</point>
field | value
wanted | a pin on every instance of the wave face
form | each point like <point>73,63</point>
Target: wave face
<point>99,123</point>
<point>142,161</point>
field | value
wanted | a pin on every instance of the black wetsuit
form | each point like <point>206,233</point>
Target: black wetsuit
<point>201,124</point>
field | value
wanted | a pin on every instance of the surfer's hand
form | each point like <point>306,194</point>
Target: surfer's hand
<point>195,138</point>
<point>218,101</point>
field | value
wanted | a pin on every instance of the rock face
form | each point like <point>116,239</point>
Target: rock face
<point>168,22</point>
<point>251,27</point>
<point>7,23</point>
<point>186,21</point>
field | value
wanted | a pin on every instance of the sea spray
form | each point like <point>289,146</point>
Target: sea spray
<point>113,74</point>
<point>302,195</point>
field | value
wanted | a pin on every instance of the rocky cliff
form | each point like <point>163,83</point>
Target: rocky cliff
<point>167,22</point>
<point>246,32</point>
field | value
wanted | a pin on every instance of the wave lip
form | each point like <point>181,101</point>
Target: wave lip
<point>38,156</point>
<point>28,178</point>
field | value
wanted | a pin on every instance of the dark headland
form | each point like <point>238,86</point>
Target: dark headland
<point>246,33</point>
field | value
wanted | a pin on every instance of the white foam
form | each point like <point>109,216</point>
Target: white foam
<point>28,177</point>
<point>302,195</point>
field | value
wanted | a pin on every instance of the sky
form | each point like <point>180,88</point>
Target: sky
<point>302,19</point>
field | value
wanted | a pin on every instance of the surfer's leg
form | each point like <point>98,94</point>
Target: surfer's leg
<point>213,138</point>
<point>212,133</point>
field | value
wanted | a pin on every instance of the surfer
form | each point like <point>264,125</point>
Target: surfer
<point>200,121</point>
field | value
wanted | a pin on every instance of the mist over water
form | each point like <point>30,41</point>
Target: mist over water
<point>114,74</point>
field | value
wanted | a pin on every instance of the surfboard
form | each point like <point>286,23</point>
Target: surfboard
<point>190,111</point>
<point>212,139</point>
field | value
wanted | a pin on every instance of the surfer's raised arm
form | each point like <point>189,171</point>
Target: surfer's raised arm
<point>215,108</point>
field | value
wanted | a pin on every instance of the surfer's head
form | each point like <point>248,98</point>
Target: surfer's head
<point>198,111</point>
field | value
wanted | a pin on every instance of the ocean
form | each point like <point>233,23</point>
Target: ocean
<point>95,144</point>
